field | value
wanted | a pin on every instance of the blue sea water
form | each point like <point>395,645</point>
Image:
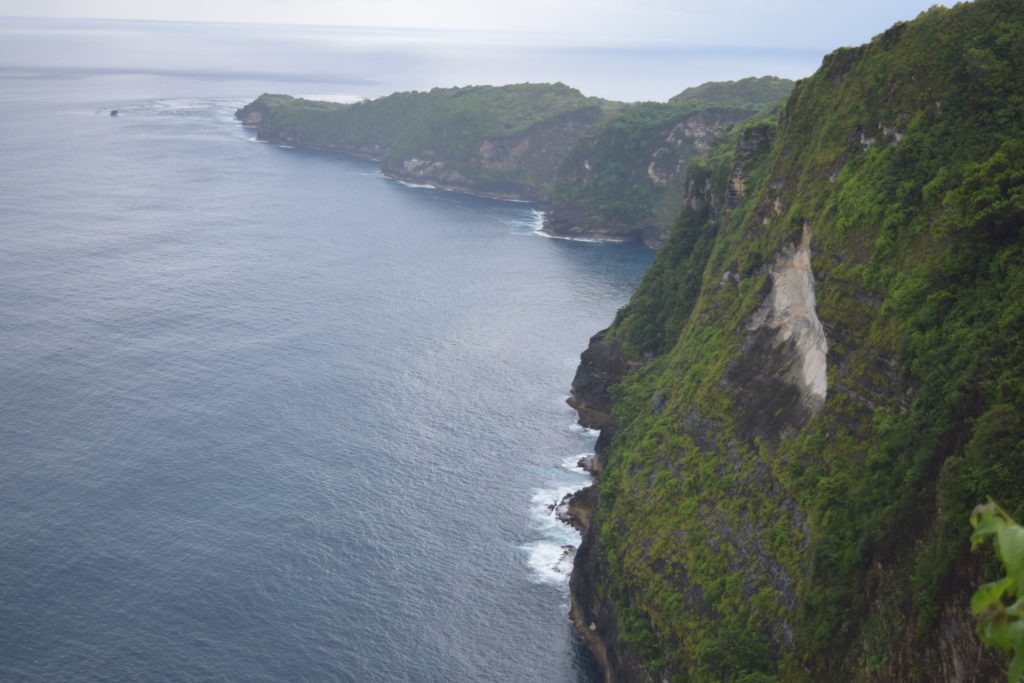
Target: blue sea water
<point>266,414</point>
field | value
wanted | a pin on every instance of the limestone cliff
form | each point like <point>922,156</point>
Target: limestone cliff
<point>819,377</point>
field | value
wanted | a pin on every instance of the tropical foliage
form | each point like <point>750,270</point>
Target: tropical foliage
<point>628,170</point>
<point>751,93</point>
<point>454,127</point>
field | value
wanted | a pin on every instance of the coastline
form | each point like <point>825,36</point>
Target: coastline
<point>576,510</point>
<point>430,183</point>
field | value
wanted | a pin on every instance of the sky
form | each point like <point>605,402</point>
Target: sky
<point>824,24</point>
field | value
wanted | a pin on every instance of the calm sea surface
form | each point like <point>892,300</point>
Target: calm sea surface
<point>266,414</point>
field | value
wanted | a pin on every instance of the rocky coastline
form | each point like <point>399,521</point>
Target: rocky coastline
<point>602,365</point>
<point>599,170</point>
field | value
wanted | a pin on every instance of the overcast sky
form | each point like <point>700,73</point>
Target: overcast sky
<point>822,24</point>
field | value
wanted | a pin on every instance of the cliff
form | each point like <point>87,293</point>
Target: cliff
<point>819,377</point>
<point>500,141</point>
<point>600,169</point>
<point>623,180</point>
<point>496,141</point>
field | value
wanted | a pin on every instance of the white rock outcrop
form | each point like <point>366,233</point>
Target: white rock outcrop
<point>790,310</point>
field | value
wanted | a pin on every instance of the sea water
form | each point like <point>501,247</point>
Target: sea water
<point>266,414</point>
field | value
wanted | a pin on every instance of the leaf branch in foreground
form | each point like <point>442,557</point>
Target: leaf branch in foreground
<point>999,606</point>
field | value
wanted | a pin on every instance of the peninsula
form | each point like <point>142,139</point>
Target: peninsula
<point>600,169</point>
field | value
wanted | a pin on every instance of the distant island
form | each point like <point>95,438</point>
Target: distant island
<point>600,169</point>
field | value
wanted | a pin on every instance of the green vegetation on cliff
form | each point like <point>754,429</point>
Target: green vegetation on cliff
<point>501,140</point>
<point>626,174</point>
<point>602,168</point>
<point>752,526</point>
<point>750,93</point>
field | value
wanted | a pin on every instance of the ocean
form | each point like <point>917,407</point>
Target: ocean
<point>266,414</point>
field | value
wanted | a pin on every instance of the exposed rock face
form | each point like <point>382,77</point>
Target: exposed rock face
<point>752,142</point>
<point>660,160</point>
<point>700,130</point>
<point>535,152</point>
<point>785,354</point>
<point>602,365</point>
<point>790,312</point>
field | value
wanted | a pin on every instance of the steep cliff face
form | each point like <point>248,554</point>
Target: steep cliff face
<point>623,180</point>
<point>819,377</point>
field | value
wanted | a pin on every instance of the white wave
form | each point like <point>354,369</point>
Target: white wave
<point>585,431</point>
<point>537,220</point>
<point>418,186</point>
<point>524,223</point>
<point>541,233</point>
<point>572,462</point>
<point>551,563</point>
<point>545,506</point>
<point>550,557</point>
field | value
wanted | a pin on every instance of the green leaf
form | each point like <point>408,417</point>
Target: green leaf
<point>997,633</point>
<point>1016,667</point>
<point>990,594</point>
<point>1015,633</point>
<point>986,520</point>
<point>999,625</point>
<point>1011,547</point>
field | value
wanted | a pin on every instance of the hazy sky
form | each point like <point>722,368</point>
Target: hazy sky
<point>779,23</point>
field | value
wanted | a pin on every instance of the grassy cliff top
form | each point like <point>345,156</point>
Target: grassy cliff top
<point>750,92</point>
<point>492,110</point>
